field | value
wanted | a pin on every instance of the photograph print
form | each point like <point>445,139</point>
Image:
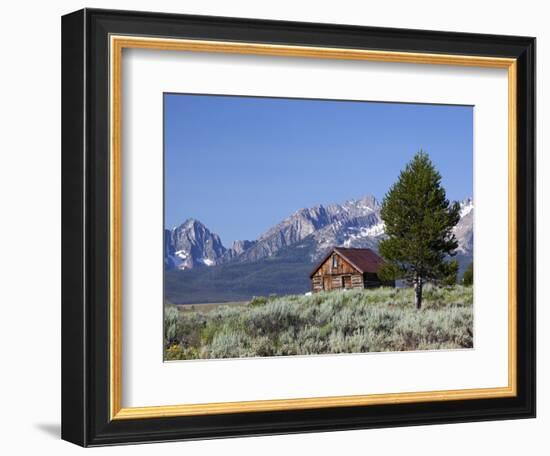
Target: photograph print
<point>316,227</point>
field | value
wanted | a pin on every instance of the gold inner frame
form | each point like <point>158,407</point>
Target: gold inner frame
<point>117,44</point>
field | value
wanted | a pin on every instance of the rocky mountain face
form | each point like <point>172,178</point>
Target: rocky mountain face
<point>237,248</point>
<point>308,233</point>
<point>464,230</point>
<point>291,230</point>
<point>356,223</point>
<point>191,244</point>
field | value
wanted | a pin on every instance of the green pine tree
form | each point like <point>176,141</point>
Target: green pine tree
<point>468,277</point>
<point>451,277</point>
<point>419,222</point>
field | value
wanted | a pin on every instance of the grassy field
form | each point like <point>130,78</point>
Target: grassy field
<point>352,321</point>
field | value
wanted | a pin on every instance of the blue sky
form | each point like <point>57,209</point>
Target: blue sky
<point>242,164</point>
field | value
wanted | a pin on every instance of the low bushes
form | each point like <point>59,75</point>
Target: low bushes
<point>350,321</point>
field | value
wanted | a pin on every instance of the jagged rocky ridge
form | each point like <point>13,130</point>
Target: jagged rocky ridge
<point>191,244</point>
<point>307,232</point>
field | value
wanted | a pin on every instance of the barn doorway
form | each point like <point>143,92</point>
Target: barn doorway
<point>326,283</point>
<point>346,282</point>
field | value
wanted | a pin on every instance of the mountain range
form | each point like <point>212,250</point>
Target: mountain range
<point>197,262</point>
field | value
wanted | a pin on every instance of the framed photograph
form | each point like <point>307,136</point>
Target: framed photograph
<point>278,227</point>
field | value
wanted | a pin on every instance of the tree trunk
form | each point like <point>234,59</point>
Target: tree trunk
<point>418,284</point>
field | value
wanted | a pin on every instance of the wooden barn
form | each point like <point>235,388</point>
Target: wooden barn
<point>345,268</point>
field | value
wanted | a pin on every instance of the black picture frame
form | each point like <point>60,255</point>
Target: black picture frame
<point>85,228</point>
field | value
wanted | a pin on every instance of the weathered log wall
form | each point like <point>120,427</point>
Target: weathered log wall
<point>338,274</point>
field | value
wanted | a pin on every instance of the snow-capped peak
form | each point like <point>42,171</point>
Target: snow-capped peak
<point>466,207</point>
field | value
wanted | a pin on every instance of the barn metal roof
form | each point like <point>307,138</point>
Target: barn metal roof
<point>364,260</point>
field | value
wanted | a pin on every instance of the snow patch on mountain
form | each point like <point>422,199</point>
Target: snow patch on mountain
<point>207,261</point>
<point>355,234</point>
<point>466,207</point>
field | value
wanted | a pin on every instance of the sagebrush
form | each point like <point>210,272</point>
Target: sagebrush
<point>350,321</point>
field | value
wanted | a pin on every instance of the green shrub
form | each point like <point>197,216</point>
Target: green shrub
<point>170,324</point>
<point>258,301</point>
<point>468,277</point>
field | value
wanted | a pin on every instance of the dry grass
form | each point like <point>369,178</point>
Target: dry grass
<point>207,307</point>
